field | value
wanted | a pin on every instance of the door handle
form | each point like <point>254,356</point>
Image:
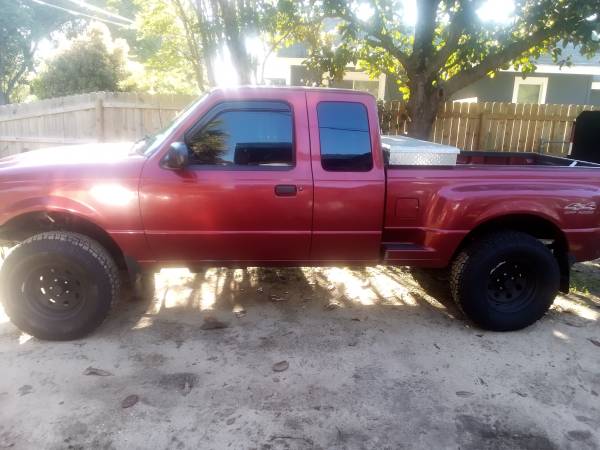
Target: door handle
<point>285,190</point>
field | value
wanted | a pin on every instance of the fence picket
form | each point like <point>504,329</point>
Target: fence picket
<point>127,116</point>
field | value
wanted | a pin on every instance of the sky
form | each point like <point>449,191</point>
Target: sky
<point>500,11</point>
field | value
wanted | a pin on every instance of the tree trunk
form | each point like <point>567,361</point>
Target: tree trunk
<point>422,107</point>
<point>232,24</point>
<point>207,40</point>
<point>3,98</point>
<point>192,43</point>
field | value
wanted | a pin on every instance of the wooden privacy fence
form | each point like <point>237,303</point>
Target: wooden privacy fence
<point>78,119</point>
<point>104,116</point>
<point>494,126</point>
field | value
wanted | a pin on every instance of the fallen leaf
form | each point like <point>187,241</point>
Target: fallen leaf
<point>594,341</point>
<point>331,306</point>
<point>212,323</point>
<point>464,393</point>
<point>25,389</point>
<point>98,372</point>
<point>520,394</point>
<point>129,401</point>
<point>280,366</point>
<point>240,313</point>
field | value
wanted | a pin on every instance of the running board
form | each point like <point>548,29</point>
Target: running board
<point>407,252</point>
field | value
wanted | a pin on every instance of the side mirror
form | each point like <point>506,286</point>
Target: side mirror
<point>178,156</point>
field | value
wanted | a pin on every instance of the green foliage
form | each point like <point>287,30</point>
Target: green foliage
<point>23,25</point>
<point>227,24</point>
<point>94,62</point>
<point>169,44</point>
<point>450,46</point>
<point>293,22</point>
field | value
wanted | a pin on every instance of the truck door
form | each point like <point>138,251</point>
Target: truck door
<point>246,195</point>
<point>349,177</point>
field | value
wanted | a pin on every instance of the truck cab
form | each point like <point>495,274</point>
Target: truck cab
<point>286,177</point>
<point>274,176</point>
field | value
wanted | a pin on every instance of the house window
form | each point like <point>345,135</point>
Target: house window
<point>370,86</point>
<point>360,81</point>
<point>530,90</point>
<point>275,81</point>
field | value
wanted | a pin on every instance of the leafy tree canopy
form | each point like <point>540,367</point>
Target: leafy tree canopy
<point>168,43</point>
<point>93,62</point>
<point>23,24</point>
<point>449,46</point>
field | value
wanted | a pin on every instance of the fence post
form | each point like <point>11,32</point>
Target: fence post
<point>99,119</point>
<point>482,133</point>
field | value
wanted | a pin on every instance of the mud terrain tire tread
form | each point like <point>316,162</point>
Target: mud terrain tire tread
<point>86,251</point>
<point>471,264</point>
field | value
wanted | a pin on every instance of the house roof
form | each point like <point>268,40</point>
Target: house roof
<point>572,52</point>
<point>580,64</point>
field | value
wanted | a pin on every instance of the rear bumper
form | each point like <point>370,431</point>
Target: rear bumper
<point>584,244</point>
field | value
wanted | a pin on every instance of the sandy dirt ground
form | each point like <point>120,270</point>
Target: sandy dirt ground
<point>330,358</point>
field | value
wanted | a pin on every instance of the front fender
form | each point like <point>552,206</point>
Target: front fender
<point>48,203</point>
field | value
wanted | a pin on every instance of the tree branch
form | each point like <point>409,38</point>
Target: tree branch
<point>191,43</point>
<point>377,30</point>
<point>459,24</point>
<point>275,45</point>
<point>496,59</point>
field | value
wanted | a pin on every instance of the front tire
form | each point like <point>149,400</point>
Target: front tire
<point>58,285</point>
<point>505,281</point>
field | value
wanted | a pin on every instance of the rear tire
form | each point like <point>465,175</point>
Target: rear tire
<point>58,285</point>
<point>505,281</point>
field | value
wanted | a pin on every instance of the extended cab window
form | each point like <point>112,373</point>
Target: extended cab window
<point>245,137</point>
<point>344,137</point>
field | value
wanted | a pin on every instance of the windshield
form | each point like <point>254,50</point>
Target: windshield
<point>149,143</point>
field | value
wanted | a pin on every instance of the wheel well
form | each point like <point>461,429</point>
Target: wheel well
<point>24,226</point>
<point>536,226</point>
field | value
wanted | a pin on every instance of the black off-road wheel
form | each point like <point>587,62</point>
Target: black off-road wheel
<point>505,281</point>
<point>58,285</point>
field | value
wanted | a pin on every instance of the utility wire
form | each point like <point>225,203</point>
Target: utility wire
<point>77,13</point>
<point>95,8</point>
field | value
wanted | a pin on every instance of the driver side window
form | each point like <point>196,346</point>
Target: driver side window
<point>245,138</point>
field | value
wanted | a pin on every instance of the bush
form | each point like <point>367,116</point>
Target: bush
<point>94,62</point>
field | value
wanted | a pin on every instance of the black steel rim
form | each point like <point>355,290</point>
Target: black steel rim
<point>55,291</point>
<point>511,286</point>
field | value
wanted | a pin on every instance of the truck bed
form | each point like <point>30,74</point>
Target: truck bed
<point>431,209</point>
<point>465,158</point>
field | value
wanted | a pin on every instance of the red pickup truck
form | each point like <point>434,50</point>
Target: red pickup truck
<point>286,177</point>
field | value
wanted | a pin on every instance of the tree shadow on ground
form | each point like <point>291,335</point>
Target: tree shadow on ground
<point>224,294</point>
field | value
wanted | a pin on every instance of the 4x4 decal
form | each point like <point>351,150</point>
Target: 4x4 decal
<point>580,208</point>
